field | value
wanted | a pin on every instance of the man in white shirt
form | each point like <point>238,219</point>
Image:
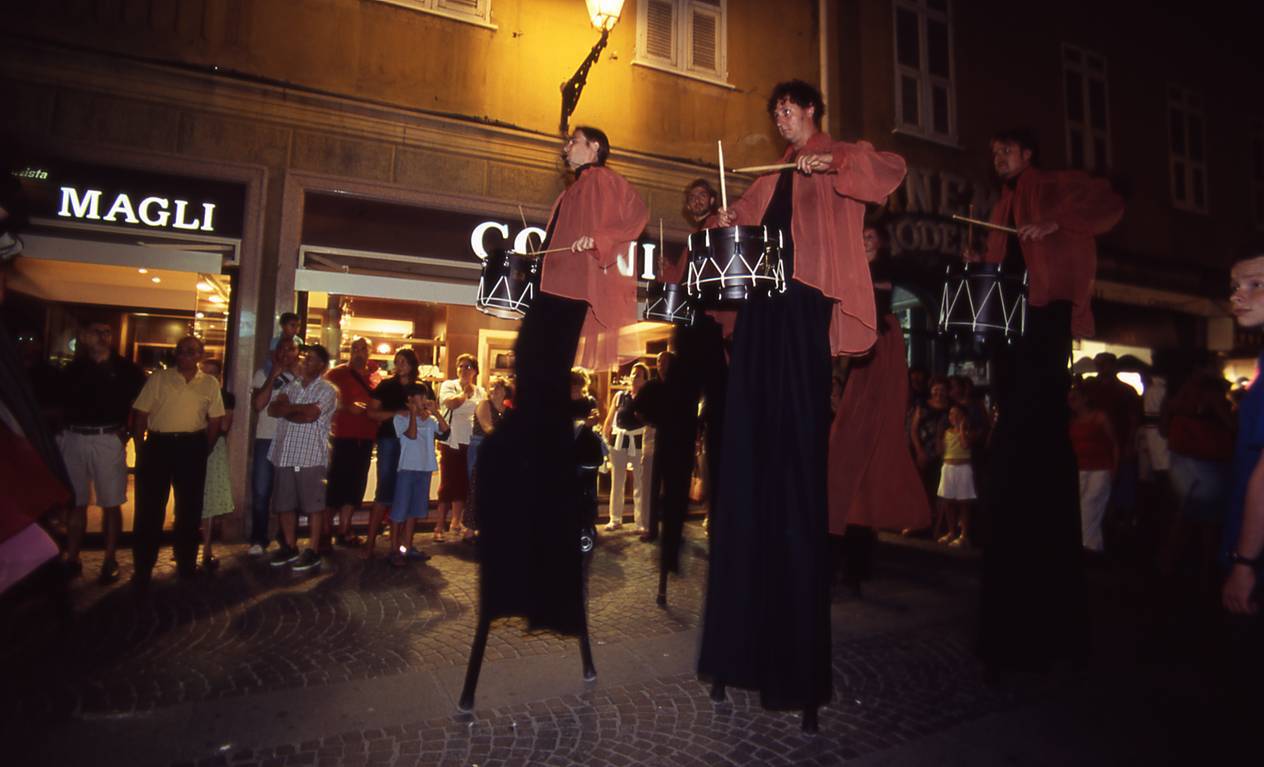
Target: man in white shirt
<point>265,386</point>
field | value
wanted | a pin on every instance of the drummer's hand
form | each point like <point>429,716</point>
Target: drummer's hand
<point>1037,231</point>
<point>725,217</point>
<point>971,256</point>
<point>582,244</point>
<point>809,163</point>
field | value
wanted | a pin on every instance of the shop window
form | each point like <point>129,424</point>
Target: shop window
<point>925,92</point>
<point>1087,112</point>
<point>472,11</point>
<point>1187,153</point>
<point>687,37</point>
<point>1257,172</point>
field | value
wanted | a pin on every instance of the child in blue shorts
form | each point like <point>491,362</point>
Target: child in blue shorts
<point>417,433</point>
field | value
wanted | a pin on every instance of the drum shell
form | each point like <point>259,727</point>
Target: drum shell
<point>668,302</point>
<point>508,282</point>
<point>983,301</point>
<point>733,264</point>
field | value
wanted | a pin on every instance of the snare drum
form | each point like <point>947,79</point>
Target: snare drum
<point>667,302</point>
<point>735,263</point>
<point>981,300</point>
<point>507,285</point>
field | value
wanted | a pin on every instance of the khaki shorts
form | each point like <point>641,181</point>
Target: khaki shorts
<point>296,488</point>
<point>95,462</point>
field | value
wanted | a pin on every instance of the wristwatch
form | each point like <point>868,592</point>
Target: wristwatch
<point>1237,559</point>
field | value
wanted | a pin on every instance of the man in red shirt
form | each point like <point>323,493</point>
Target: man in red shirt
<point>529,496</point>
<point>353,436</point>
<point>767,620</point>
<point>1032,606</point>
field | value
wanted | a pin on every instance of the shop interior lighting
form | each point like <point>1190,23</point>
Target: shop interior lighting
<point>155,280</point>
<point>603,14</point>
<point>383,348</point>
<point>199,315</point>
<point>215,298</point>
<point>143,270</point>
<point>204,286</point>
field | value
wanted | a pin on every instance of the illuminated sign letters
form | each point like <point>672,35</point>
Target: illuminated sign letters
<point>155,212</point>
<point>626,262</point>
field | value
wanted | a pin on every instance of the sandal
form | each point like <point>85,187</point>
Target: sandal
<point>438,536</point>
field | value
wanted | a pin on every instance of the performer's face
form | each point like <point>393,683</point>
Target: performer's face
<point>794,123</point>
<point>871,241</point>
<point>1246,292</point>
<point>699,202</point>
<point>1009,159</point>
<point>579,150</point>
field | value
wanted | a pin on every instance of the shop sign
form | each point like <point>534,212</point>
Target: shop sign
<point>134,199</point>
<point>522,243</point>
<point>918,217</point>
<point>152,211</point>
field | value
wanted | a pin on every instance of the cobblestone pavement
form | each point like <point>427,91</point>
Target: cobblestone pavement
<point>363,640</point>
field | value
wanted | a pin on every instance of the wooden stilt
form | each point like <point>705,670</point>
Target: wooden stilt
<point>466,703</point>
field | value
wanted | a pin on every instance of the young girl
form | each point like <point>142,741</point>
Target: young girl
<point>417,433</point>
<point>956,481</point>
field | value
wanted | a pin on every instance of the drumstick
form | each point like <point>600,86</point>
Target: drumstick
<point>765,168</point>
<point>522,214</point>
<point>546,252</point>
<point>724,193</point>
<point>661,249</point>
<point>970,227</point>
<point>985,224</point>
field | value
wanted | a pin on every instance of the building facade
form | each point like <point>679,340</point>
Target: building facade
<point>210,164</point>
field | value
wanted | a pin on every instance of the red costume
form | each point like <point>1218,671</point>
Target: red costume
<point>872,479</point>
<point>1060,266</point>
<point>600,204</point>
<point>828,221</point>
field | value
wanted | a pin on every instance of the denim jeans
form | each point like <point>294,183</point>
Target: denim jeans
<point>260,492</point>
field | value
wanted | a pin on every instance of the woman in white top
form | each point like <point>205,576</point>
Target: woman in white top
<point>459,398</point>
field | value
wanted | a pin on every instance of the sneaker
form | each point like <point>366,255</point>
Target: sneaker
<point>308,560</point>
<point>415,553</point>
<point>255,550</point>
<point>284,556</point>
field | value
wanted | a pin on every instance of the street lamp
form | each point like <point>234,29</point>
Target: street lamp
<point>604,15</point>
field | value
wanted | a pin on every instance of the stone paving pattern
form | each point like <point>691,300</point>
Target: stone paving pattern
<point>902,664</point>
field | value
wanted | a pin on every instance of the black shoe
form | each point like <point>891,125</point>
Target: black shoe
<point>349,541</point>
<point>210,564</point>
<point>109,572</point>
<point>416,553</point>
<point>72,568</point>
<point>307,561</point>
<point>187,573</point>
<point>284,556</point>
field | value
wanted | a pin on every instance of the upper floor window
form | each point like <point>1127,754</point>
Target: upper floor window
<point>1257,172</point>
<point>1087,116</point>
<point>473,11</point>
<point>683,36</point>
<point>925,97</point>
<point>1187,155</point>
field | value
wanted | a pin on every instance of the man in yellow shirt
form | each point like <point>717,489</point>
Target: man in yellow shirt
<point>179,412</point>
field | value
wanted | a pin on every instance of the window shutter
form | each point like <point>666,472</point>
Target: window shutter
<point>704,28</point>
<point>659,31</point>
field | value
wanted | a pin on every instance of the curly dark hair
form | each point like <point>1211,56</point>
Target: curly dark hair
<point>798,92</point>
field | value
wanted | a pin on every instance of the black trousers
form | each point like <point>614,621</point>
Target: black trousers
<point>700,370</point>
<point>166,461</point>
<point>1032,608</point>
<point>531,504</point>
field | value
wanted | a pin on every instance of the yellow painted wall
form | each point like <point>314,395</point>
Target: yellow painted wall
<point>377,51</point>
